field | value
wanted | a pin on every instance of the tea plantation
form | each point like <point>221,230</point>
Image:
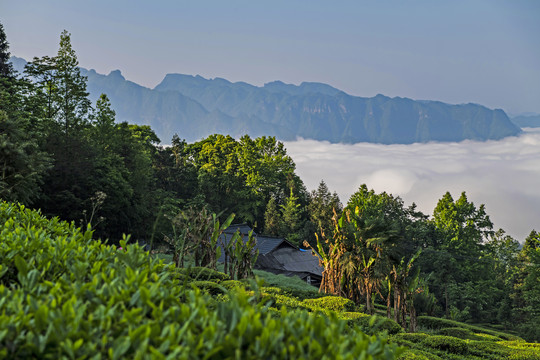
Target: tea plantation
<point>65,295</point>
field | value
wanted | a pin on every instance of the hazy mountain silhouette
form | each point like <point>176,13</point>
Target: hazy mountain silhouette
<point>194,107</point>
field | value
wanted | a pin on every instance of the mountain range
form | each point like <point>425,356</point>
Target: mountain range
<point>194,107</point>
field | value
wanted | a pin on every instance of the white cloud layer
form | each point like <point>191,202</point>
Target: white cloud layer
<point>504,175</point>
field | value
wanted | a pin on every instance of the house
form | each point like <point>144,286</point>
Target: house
<point>279,256</point>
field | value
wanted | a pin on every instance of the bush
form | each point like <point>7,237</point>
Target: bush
<point>447,344</point>
<point>64,295</point>
<point>204,274</point>
<point>372,324</point>
<point>456,332</point>
<point>333,303</point>
<point>232,284</point>
<point>412,337</point>
<point>416,354</point>
<point>209,287</point>
<point>293,285</point>
<point>438,323</point>
<point>488,350</point>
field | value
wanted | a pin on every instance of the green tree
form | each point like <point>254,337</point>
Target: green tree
<point>22,163</point>
<point>321,208</point>
<point>526,292</point>
<point>6,68</point>
<point>457,256</point>
<point>272,218</point>
<point>291,220</point>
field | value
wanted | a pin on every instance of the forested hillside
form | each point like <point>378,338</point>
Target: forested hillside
<point>70,157</point>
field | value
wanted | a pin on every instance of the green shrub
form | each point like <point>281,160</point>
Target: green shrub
<point>447,344</point>
<point>272,290</point>
<point>371,324</point>
<point>456,332</point>
<point>488,350</point>
<point>485,337</point>
<point>64,295</point>
<point>333,303</point>
<point>209,287</point>
<point>415,354</point>
<point>232,284</point>
<point>438,323</point>
<point>412,337</point>
<point>204,274</point>
<point>292,285</point>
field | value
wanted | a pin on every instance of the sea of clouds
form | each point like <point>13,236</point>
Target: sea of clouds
<point>504,175</point>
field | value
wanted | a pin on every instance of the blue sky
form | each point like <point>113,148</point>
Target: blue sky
<point>481,51</point>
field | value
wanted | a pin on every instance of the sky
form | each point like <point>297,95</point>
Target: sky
<point>503,175</point>
<point>460,51</point>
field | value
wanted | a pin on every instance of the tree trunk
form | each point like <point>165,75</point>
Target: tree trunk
<point>403,312</point>
<point>397,304</point>
<point>412,319</point>
<point>388,304</point>
<point>368,303</point>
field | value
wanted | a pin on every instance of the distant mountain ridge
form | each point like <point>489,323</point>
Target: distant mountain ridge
<point>522,121</point>
<point>194,107</point>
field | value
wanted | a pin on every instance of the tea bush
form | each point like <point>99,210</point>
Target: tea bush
<point>204,274</point>
<point>209,287</point>
<point>412,337</point>
<point>447,344</point>
<point>334,303</point>
<point>293,286</point>
<point>65,295</point>
<point>438,323</point>
<point>415,354</point>
<point>463,333</point>
<point>371,324</point>
<point>232,284</point>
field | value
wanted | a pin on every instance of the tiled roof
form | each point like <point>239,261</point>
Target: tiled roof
<point>276,254</point>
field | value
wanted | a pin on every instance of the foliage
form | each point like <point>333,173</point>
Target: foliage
<point>232,284</point>
<point>438,323</point>
<point>291,285</point>
<point>410,337</point>
<point>463,333</point>
<point>204,274</point>
<point>372,324</point>
<point>72,159</point>
<point>209,287</point>
<point>334,303</point>
<point>198,236</point>
<point>22,164</point>
<point>415,354</point>
<point>239,255</point>
<point>271,218</point>
<point>321,208</point>
<point>67,295</point>
<point>446,344</point>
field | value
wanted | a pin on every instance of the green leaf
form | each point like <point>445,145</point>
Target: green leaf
<point>21,265</point>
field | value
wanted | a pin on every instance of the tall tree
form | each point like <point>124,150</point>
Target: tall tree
<point>272,218</point>
<point>322,205</point>
<point>6,68</point>
<point>291,220</point>
<point>22,163</point>
<point>457,257</point>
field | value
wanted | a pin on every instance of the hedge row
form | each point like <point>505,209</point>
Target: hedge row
<point>438,323</point>
<point>65,295</point>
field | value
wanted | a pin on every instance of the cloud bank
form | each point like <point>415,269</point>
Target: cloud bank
<point>504,175</point>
